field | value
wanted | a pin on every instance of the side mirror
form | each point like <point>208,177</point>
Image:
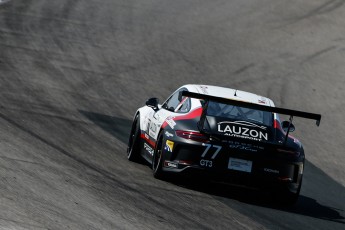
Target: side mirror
<point>286,124</point>
<point>152,103</point>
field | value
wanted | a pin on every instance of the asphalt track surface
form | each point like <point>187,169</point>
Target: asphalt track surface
<point>73,72</point>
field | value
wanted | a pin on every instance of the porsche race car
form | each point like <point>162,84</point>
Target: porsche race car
<point>222,134</point>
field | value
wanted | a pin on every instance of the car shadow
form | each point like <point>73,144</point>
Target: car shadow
<point>305,206</point>
<point>318,182</point>
<point>118,127</point>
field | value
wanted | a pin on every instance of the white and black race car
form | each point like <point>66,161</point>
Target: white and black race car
<point>227,135</point>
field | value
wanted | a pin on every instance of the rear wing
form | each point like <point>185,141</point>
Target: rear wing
<point>249,105</point>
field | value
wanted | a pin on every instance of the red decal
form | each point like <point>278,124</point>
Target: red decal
<point>148,140</point>
<point>276,125</point>
<point>195,113</point>
<point>164,124</point>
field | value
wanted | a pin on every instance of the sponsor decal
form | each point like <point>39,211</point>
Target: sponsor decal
<point>169,146</point>
<point>243,129</point>
<point>153,129</point>
<point>168,134</point>
<point>262,100</point>
<point>148,149</point>
<point>204,89</point>
<point>171,122</point>
<point>271,170</point>
<point>244,146</point>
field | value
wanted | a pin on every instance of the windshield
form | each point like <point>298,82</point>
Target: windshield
<point>239,113</point>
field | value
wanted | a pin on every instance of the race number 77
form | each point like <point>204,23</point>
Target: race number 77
<point>208,147</point>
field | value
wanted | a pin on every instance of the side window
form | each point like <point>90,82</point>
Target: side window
<point>172,102</point>
<point>178,104</point>
<point>184,106</point>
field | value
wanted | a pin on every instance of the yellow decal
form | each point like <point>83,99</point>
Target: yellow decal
<point>169,146</point>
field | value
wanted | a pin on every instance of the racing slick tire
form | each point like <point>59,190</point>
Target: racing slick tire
<point>157,161</point>
<point>134,142</point>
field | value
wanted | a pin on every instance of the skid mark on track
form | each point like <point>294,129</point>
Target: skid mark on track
<point>244,68</point>
<point>327,7</point>
<point>19,160</point>
<point>317,54</point>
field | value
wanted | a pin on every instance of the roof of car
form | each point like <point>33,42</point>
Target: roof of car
<point>229,93</point>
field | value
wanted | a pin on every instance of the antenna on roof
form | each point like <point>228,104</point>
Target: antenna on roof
<point>235,93</point>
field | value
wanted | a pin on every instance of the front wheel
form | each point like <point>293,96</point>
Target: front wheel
<point>157,159</point>
<point>134,142</point>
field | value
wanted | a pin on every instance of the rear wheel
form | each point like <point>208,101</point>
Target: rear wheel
<point>134,142</point>
<point>157,161</point>
<point>286,197</point>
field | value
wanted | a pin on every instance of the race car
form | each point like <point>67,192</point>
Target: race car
<point>221,134</point>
